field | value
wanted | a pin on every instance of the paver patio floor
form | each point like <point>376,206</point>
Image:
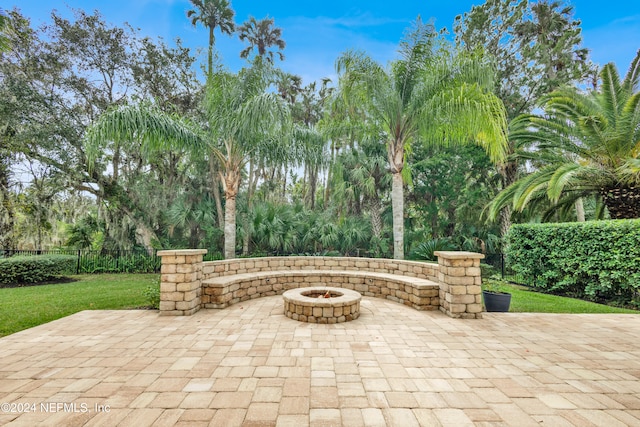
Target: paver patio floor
<point>250,365</point>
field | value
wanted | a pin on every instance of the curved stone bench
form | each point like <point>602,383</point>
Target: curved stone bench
<point>223,291</point>
<point>452,285</point>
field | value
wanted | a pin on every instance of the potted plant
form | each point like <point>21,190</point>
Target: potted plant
<point>495,297</point>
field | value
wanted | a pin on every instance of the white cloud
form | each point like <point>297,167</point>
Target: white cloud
<point>360,20</point>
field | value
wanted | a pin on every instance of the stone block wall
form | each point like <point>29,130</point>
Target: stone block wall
<point>460,280</point>
<point>180,281</point>
<point>422,270</point>
<point>457,273</point>
<point>223,293</point>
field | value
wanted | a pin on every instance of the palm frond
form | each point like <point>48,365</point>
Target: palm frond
<point>612,92</point>
<point>562,176</point>
<point>479,117</point>
<point>632,79</point>
<point>145,124</point>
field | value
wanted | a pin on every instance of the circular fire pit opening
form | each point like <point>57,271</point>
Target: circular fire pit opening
<point>322,304</point>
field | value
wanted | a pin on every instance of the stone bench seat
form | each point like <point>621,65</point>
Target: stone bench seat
<point>223,291</point>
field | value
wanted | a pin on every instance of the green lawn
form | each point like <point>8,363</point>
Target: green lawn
<point>22,308</point>
<point>527,301</point>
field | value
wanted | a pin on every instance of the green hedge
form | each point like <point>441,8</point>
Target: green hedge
<point>594,260</point>
<point>35,269</point>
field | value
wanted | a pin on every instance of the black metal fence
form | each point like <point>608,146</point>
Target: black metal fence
<point>104,261</point>
<point>500,266</point>
<point>147,261</point>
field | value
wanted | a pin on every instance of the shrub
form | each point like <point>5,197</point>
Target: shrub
<point>152,293</point>
<point>35,269</point>
<point>425,250</point>
<point>594,260</point>
<point>488,270</point>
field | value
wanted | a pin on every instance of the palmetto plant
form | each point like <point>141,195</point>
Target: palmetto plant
<point>425,250</point>
<point>359,182</point>
<point>82,234</point>
<point>428,95</point>
<point>274,228</point>
<point>191,214</point>
<point>584,144</point>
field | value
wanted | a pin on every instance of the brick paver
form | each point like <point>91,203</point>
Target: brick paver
<point>250,365</point>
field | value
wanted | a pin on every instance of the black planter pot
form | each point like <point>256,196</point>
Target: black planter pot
<point>496,302</point>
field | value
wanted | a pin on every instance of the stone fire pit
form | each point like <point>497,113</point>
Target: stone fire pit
<point>322,304</point>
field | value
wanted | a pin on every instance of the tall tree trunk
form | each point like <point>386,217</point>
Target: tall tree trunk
<point>215,189</point>
<point>231,180</point>
<point>39,234</point>
<point>306,174</point>
<point>508,172</point>
<point>622,202</point>
<point>334,154</point>
<point>247,231</point>
<point>145,236</point>
<point>397,205</point>
<point>230,228</point>
<point>284,182</point>
<point>376,217</point>
<point>505,221</point>
<point>194,235</point>
<point>313,183</point>
<point>580,210</point>
<point>7,213</point>
<point>212,41</point>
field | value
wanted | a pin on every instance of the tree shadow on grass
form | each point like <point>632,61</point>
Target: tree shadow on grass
<point>48,282</point>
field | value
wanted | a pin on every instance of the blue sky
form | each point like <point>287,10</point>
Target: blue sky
<point>317,32</point>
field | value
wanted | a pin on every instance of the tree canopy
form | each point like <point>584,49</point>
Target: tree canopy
<point>585,144</point>
<point>111,140</point>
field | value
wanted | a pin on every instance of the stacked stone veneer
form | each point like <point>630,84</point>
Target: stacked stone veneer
<point>218,284</point>
<point>180,281</point>
<point>406,282</point>
<point>422,270</point>
<point>460,280</point>
<point>308,305</point>
<point>223,291</point>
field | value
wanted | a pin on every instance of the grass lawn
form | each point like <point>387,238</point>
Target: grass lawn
<point>527,301</point>
<point>25,307</point>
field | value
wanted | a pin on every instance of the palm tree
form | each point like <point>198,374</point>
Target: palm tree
<point>82,234</point>
<point>212,14</point>
<point>261,35</point>
<point>359,180</point>
<point>243,119</point>
<point>538,48</point>
<point>421,96</point>
<point>289,86</point>
<point>585,144</point>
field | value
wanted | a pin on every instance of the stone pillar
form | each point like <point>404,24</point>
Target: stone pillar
<point>460,280</point>
<point>180,283</point>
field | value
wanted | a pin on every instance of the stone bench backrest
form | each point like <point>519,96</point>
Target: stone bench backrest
<point>422,270</point>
